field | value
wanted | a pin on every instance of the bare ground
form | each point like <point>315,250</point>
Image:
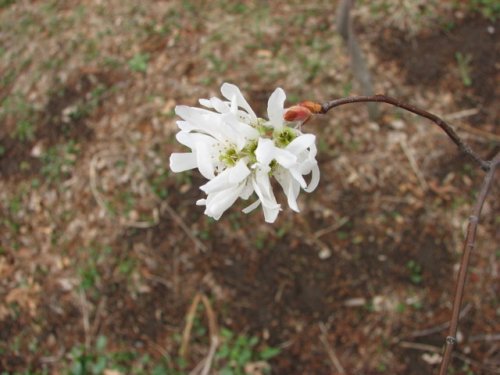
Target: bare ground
<point>102,249</point>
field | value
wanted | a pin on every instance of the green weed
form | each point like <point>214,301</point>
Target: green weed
<point>488,8</point>
<point>464,68</point>
<point>25,131</point>
<point>89,268</point>
<point>139,63</point>
<point>58,161</point>
<point>238,350</point>
<point>6,3</point>
<point>158,182</point>
<point>16,107</point>
<point>96,360</point>
<point>415,272</point>
<point>218,65</point>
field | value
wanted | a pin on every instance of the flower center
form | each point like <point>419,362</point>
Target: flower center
<point>230,157</point>
<point>284,137</point>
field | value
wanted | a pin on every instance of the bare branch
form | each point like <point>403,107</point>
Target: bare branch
<point>435,349</point>
<point>469,244</point>
<point>448,129</point>
<point>331,353</point>
<point>358,62</point>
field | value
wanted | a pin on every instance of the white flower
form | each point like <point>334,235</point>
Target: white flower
<point>239,153</point>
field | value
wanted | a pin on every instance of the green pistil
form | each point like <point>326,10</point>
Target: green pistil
<point>230,158</point>
<point>263,129</point>
<point>249,151</point>
<point>284,137</point>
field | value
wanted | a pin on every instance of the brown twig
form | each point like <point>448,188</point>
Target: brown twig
<point>331,353</point>
<point>465,148</point>
<point>359,66</point>
<point>435,349</point>
<point>180,222</point>
<point>85,317</point>
<point>469,244</point>
<point>414,166</point>
<point>204,366</point>
<point>440,327</point>
<point>186,334</point>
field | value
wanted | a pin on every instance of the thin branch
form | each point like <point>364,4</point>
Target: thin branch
<point>485,337</point>
<point>186,334</point>
<point>203,368</point>
<point>414,166</point>
<point>85,317</point>
<point>358,62</point>
<point>181,223</point>
<point>435,349</point>
<point>469,244</point>
<point>440,327</point>
<point>329,350</point>
<point>465,148</point>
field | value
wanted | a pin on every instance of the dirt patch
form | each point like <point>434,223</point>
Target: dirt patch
<point>437,57</point>
<point>70,106</point>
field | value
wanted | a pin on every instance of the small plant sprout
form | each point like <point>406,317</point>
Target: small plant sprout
<point>239,153</point>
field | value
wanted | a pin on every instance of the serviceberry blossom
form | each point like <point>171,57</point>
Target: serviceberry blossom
<point>239,153</point>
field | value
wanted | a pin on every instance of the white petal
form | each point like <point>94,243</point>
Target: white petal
<point>228,178</point>
<point>244,130</point>
<point>291,188</point>
<point>204,159</point>
<point>192,139</point>
<point>265,151</point>
<point>206,103</point>
<point>300,143</point>
<point>234,105</point>
<point>229,91</point>
<point>219,202</point>
<point>252,207</point>
<point>219,105</point>
<point>314,179</point>
<point>185,126</point>
<point>275,109</point>
<point>285,158</point>
<point>264,190</point>
<point>184,138</point>
<point>247,190</point>
<point>238,173</point>
<point>270,214</point>
<point>187,113</point>
<point>202,120</point>
<point>293,194</point>
<point>180,162</point>
<point>201,202</point>
<point>298,177</point>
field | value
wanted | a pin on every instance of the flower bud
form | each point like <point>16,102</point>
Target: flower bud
<point>312,106</point>
<point>297,113</point>
<point>302,112</point>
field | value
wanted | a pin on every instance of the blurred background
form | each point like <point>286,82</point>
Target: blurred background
<point>105,259</point>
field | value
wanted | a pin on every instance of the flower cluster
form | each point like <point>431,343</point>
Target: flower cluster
<point>239,152</point>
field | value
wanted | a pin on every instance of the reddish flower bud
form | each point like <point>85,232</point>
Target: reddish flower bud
<point>297,113</point>
<point>312,106</point>
<point>302,112</point>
